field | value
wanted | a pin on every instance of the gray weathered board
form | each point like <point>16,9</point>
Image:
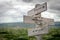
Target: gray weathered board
<point>28,19</point>
<point>37,31</point>
<point>38,9</point>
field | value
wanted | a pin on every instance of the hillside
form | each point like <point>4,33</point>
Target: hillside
<point>21,24</point>
<point>17,24</point>
<point>57,23</point>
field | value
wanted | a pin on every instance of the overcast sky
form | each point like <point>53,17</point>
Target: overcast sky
<point>13,10</point>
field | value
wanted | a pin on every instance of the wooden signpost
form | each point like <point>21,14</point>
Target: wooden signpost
<point>34,16</point>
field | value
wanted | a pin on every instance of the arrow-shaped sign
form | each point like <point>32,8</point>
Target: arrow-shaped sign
<point>38,9</point>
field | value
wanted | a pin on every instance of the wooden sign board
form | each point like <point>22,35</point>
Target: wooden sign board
<point>28,19</point>
<point>38,9</point>
<point>49,21</point>
<point>37,31</point>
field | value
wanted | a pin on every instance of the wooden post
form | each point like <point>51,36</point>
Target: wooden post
<point>39,37</point>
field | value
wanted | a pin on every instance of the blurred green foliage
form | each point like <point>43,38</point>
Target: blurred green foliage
<point>14,34</point>
<point>22,34</point>
<point>54,34</point>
